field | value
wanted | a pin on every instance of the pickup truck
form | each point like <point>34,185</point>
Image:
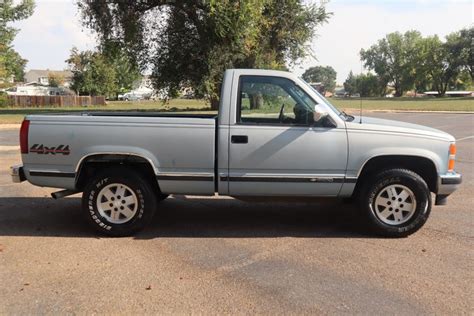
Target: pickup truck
<point>274,136</point>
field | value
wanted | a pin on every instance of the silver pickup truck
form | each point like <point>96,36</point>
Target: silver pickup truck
<point>274,136</point>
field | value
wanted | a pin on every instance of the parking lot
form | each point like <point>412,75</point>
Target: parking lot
<point>215,255</point>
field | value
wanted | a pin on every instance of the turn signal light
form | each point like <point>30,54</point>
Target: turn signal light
<point>452,157</point>
<point>451,165</point>
<point>452,149</point>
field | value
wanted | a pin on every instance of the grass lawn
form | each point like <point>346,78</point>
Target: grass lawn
<point>411,104</point>
<point>15,115</point>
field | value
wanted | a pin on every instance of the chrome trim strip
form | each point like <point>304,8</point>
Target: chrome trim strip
<point>350,180</point>
<point>291,179</point>
<point>185,177</point>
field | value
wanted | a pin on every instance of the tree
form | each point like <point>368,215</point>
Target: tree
<point>350,86</point>
<point>392,59</point>
<point>93,74</point>
<point>108,71</point>
<point>11,63</point>
<point>126,70</point>
<point>421,69</point>
<point>55,79</point>
<point>326,75</point>
<point>367,85</point>
<point>466,45</point>
<point>190,43</point>
<point>444,61</point>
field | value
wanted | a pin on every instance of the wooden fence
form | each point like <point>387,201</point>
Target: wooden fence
<point>27,101</point>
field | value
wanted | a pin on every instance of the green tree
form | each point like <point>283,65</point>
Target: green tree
<point>326,75</point>
<point>443,61</point>
<point>108,71</point>
<point>79,63</point>
<point>55,79</point>
<point>191,43</point>
<point>392,59</point>
<point>11,64</point>
<point>126,70</point>
<point>93,74</point>
<point>421,69</point>
<point>463,81</point>
<point>350,85</point>
<point>466,49</point>
<point>367,85</point>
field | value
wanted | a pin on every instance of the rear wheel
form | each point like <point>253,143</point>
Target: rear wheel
<point>397,202</point>
<point>119,202</point>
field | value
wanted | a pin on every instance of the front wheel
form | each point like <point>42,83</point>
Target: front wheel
<point>119,202</point>
<point>397,202</point>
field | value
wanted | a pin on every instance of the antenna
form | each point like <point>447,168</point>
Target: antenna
<point>360,97</point>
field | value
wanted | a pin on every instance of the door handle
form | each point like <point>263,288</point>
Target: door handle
<point>239,139</point>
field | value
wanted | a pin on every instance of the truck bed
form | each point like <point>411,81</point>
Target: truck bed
<point>179,147</point>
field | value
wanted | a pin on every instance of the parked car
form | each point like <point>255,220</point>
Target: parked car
<point>125,163</point>
<point>130,96</point>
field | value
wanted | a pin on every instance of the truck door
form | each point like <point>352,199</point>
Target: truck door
<point>275,147</point>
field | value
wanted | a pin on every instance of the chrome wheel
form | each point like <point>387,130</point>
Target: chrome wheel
<point>117,203</point>
<point>395,204</point>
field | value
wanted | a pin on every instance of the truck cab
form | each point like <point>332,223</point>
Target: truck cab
<point>269,142</point>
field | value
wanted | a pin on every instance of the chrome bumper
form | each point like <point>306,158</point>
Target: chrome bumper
<point>448,183</point>
<point>17,173</point>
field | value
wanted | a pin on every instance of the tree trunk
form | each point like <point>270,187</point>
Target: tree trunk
<point>256,101</point>
<point>398,89</point>
<point>444,87</point>
<point>214,103</point>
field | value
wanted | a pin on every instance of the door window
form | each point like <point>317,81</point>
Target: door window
<point>272,100</point>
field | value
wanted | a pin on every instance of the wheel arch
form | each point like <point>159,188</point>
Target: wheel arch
<point>92,163</point>
<point>423,166</point>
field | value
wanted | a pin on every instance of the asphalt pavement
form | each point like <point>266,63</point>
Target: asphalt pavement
<point>218,255</point>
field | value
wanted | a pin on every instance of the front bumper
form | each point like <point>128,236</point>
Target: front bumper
<point>17,173</point>
<point>448,183</point>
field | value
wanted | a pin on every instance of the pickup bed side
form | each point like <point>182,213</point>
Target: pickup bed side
<point>180,150</point>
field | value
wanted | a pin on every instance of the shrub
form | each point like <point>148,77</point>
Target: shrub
<point>3,100</point>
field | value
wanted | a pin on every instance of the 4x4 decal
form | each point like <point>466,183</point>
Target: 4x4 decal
<point>41,149</point>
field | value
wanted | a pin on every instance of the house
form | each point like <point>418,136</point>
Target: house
<point>40,76</point>
<point>38,89</point>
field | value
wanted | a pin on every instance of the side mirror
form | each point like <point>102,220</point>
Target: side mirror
<point>323,119</point>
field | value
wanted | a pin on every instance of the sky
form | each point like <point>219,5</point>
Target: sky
<point>46,38</point>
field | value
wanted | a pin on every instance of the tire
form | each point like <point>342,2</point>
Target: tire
<point>119,202</point>
<point>396,202</point>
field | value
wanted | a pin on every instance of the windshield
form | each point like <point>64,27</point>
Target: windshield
<point>322,98</point>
